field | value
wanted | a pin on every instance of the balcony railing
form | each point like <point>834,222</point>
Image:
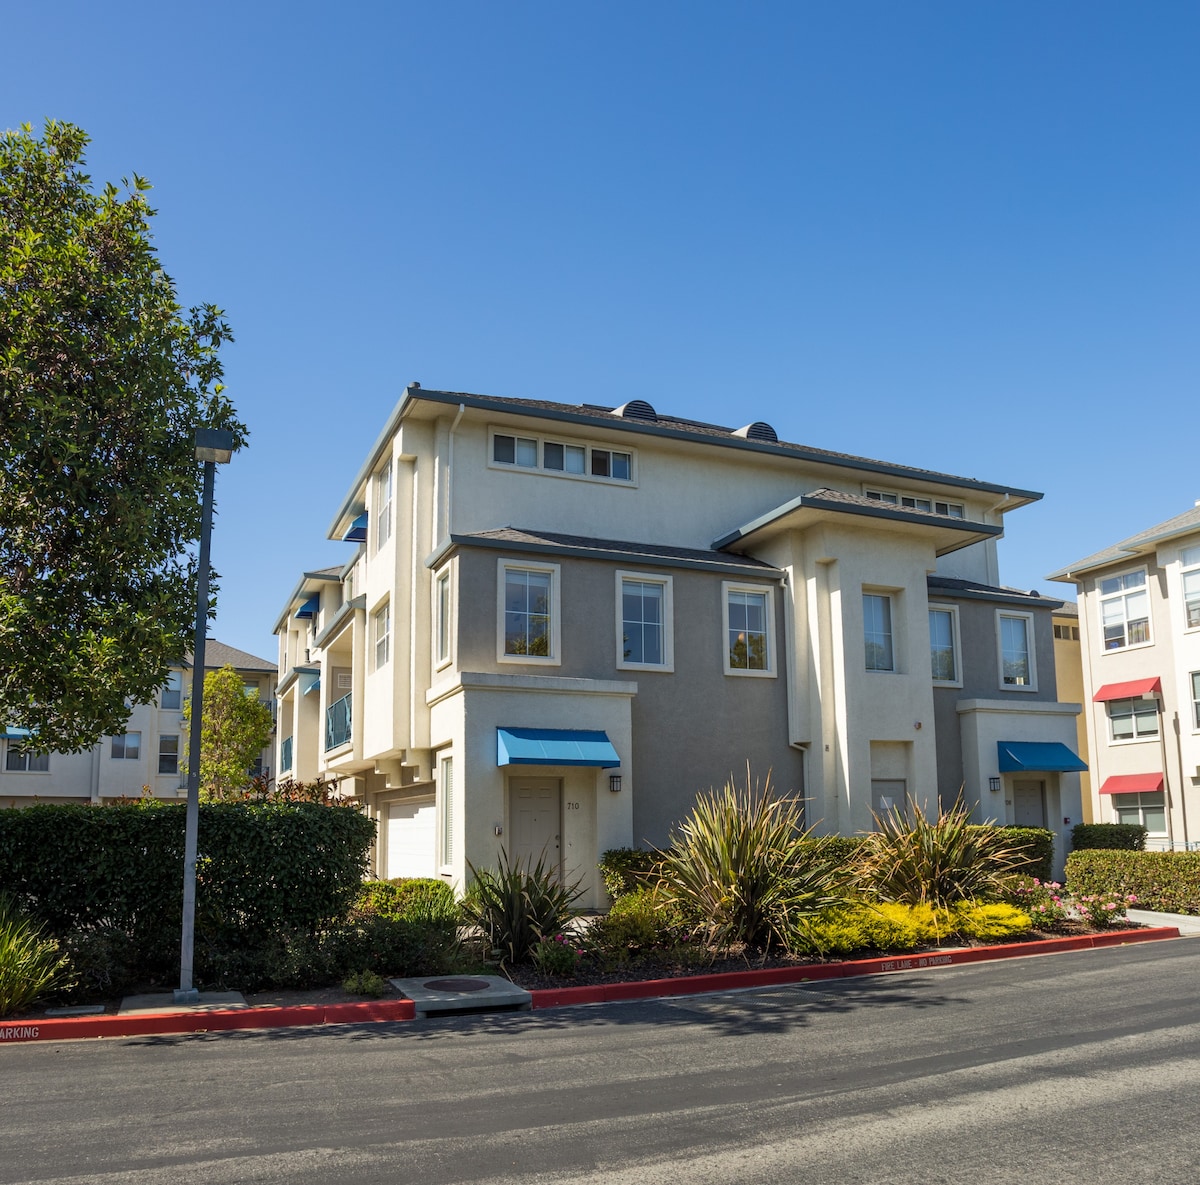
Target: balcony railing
<point>337,723</point>
<point>285,755</point>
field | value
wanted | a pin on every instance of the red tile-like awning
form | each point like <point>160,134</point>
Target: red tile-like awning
<point>1132,784</point>
<point>1131,690</point>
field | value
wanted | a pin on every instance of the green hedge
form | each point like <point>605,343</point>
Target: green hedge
<point>625,870</point>
<point>1166,881</point>
<point>1038,846</point>
<point>1125,837</point>
<point>263,870</point>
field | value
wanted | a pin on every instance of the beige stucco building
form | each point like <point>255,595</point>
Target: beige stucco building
<point>559,623</point>
<point>1139,626</point>
<point>151,753</point>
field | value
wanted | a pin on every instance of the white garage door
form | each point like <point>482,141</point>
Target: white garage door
<point>410,838</point>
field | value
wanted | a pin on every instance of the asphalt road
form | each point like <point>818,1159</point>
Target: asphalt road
<point>1081,1067</point>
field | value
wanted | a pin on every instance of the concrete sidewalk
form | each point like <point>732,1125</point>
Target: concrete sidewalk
<point>1188,925</point>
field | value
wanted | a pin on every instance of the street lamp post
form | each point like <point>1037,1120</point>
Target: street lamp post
<point>213,447</point>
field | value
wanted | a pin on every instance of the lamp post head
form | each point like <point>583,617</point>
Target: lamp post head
<point>214,444</point>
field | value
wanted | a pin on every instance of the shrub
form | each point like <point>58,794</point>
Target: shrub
<point>1125,837</point>
<point>643,920</point>
<point>624,870</point>
<point>741,863</point>
<point>1034,850</point>
<point>103,963</point>
<point>1167,881</point>
<point>516,907</point>
<point>30,963</point>
<point>990,921</point>
<point>364,983</point>
<point>557,956</point>
<point>407,898</point>
<point>840,851</point>
<point>1046,902</point>
<point>1103,910</point>
<point>936,861</point>
<point>852,926</point>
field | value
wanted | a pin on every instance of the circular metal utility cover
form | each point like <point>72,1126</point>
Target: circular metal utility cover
<point>457,985</point>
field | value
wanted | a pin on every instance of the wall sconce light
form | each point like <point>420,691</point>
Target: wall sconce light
<point>993,783</point>
<point>614,783</point>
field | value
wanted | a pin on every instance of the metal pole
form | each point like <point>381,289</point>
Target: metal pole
<point>186,993</point>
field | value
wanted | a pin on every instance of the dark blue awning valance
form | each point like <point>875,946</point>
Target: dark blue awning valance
<point>358,530</point>
<point>1038,757</point>
<point>555,746</point>
<point>310,607</point>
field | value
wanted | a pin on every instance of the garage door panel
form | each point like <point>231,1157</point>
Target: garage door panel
<point>411,831</point>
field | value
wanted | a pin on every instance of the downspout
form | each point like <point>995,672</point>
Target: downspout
<point>1162,745</point>
<point>462,408</point>
<point>1182,789</point>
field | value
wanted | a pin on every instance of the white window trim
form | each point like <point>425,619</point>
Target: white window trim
<point>383,507</point>
<point>1186,569</point>
<point>731,586</point>
<point>385,606</point>
<point>9,746</point>
<point>1193,701</point>
<point>668,622</point>
<point>540,468</point>
<point>554,658</point>
<point>445,820</point>
<point>1030,641</point>
<point>892,596</point>
<point>1102,597</point>
<point>1118,742</point>
<point>938,607</point>
<point>441,662</point>
<point>1142,812</point>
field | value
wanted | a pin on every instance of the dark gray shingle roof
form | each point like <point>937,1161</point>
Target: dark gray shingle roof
<point>1181,524</point>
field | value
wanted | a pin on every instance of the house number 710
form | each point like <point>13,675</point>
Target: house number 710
<point>572,806</point>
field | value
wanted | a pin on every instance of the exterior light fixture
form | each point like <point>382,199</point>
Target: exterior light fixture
<point>214,447</point>
<point>614,783</point>
<point>993,783</point>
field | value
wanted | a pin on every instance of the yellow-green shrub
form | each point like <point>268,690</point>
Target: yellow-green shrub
<point>992,921</point>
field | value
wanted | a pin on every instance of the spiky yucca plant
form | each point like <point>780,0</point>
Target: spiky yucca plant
<point>30,964</point>
<point>938,861</point>
<point>518,904</point>
<point>743,862</point>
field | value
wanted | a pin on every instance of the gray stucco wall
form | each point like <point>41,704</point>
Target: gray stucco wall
<point>692,727</point>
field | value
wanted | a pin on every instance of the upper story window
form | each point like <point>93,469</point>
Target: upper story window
<point>749,618</point>
<point>1132,719</point>
<point>441,619</point>
<point>172,692</point>
<point>383,505</point>
<point>1014,638</point>
<point>381,634</point>
<point>1196,700</point>
<point>168,755</point>
<point>1190,560</point>
<point>1066,633</point>
<point>644,621</point>
<point>1145,810</point>
<point>21,761</point>
<point>562,457</point>
<point>877,632</point>
<point>914,502</point>
<point>528,610</point>
<point>1125,610</point>
<point>127,747</point>
<point>943,644</point>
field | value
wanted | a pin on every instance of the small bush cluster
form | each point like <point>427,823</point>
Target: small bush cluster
<point>31,964</point>
<point>1053,908</point>
<point>1166,881</point>
<point>559,955</point>
<point>625,870</point>
<point>1125,837</point>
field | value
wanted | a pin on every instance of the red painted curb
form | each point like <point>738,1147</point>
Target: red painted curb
<point>67,1028</point>
<point>688,985</point>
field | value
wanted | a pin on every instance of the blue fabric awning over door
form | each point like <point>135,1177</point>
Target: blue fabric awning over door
<point>555,746</point>
<point>309,608</point>
<point>1038,757</point>
<point>12,733</point>
<point>357,532</point>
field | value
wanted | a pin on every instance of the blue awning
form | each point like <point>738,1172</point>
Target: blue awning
<point>1037,757</point>
<point>310,607</point>
<point>555,746</point>
<point>358,530</point>
<point>12,733</point>
<point>315,685</point>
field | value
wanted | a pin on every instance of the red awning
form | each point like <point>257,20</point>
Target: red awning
<point>1132,784</point>
<point>1130,690</point>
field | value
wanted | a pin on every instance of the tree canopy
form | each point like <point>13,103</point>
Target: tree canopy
<point>235,727</point>
<point>103,380</point>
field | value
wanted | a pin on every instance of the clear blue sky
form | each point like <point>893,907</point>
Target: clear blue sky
<point>962,236</point>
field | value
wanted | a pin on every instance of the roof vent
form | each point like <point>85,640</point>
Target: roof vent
<point>637,409</point>
<point>758,431</point>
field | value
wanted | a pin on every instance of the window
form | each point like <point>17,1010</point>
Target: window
<point>21,761</point>
<point>1132,719</point>
<point>168,755</point>
<point>1067,633</point>
<point>172,692</point>
<point>644,621</point>
<point>381,634</point>
<point>528,625</point>
<point>1196,699</point>
<point>383,505</point>
<point>913,502</point>
<point>561,457</point>
<point>446,832</point>
<point>1147,810</point>
<point>877,632</point>
<point>1014,641</point>
<point>1125,610</point>
<point>943,644</point>
<point>749,628</point>
<point>441,625</point>
<point>1190,559</point>
<point>127,747</point>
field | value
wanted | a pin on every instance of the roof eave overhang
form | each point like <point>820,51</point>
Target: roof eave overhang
<point>301,592</point>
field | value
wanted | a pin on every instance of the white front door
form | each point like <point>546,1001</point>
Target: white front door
<point>1029,804</point>
<point>534,820</point>
<point>410,838</point>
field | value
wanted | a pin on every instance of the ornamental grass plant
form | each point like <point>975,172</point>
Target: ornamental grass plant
<point>31,965</point>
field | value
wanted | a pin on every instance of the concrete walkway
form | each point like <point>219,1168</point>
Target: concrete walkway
<point>1188,924</point>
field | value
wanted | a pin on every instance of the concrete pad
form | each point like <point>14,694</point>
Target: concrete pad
<point>1188,924</point>
<point>77,1010</point>
<point>459,994</point>
<point>165,1002</point>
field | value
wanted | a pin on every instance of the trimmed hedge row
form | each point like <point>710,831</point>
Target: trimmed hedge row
<point>1166,881</point>
<point>1125,837</point>
<point>264,870</point>
<point>1038,846</point>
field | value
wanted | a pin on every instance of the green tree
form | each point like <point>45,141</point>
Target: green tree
<point>235,727</point>
<point>103,380</point>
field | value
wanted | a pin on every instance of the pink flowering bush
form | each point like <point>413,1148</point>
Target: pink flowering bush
<point>1104,909</point>
<point>1051,906</point>
<point>557,956</point>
